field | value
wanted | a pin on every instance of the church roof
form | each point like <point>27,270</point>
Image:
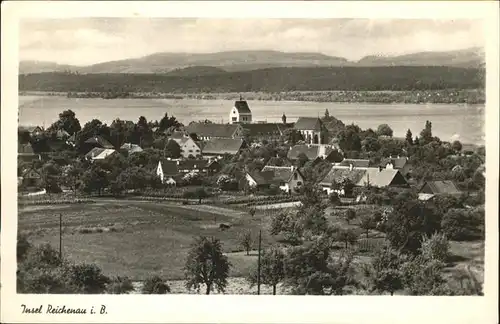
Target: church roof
<point>242,107</point>
<point>308,123</point>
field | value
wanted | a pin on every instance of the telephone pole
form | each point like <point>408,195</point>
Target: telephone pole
<point>60,236</point>
<point>258,263</point>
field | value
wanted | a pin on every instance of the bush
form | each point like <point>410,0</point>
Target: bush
<point>155,285</point>
<point>120,285</point>
<point>435,247</point>
<point>464,225</point>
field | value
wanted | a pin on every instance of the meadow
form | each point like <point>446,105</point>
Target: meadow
<point>138,239</point>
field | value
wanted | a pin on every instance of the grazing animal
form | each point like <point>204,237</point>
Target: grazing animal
<point>224,227</point>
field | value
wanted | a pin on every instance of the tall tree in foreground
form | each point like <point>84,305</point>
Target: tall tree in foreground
<point>409,137</point>
<point>272,268</point>
<point>206,265</point>
<point>384,273</point>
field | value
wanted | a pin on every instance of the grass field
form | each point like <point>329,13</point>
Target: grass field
<point>138,239</point>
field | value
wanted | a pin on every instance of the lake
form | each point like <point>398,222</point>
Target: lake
<point>449,121</point>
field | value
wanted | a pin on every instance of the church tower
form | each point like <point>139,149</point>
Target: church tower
<point>283,118</point>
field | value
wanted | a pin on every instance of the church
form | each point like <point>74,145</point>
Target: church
<point>240,113</point>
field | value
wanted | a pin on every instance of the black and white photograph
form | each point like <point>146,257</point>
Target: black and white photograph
<point>250,156</point>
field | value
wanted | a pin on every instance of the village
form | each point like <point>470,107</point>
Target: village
<point>292,181</point>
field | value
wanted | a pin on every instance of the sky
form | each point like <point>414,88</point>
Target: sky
<point>84,41</point>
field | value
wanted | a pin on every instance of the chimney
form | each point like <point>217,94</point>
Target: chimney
<point>350,167</point>
<point>177,162</point>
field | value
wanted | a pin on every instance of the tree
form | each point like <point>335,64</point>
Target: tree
<point>461,225</point>
<point>384,130</point>
<point>206,265</point>
<point>168,122</point>
<point>252,211</point>
<point>292,136</point>
<point>71,176</point>
<point>408,222</point>
<point>51,177</point>
<point>367,223</point>
<point>301,160</point>
<point>155,285</point>
<point>384,271</point>
<point>435,247</point>
<point>334,199</point>
<point>348,236</point>
<point>200,194</point>
<point>120,285</point>
<point>456,146</point>
<point>423,277</point>
<point>426,133</point>
<point>245,240</point>
<point>68,122</point>
<point>95,179</point>
<point>327,114</point>
<point>409,137</point>
<point>272,268</point>
<point>172,149</point>
<point>89,277</point>
<point>349,215</point>
<point>312,270</point>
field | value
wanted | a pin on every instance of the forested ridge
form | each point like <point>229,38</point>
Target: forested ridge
<point>396,78</point>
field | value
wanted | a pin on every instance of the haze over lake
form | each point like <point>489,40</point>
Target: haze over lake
<point>449,121</point>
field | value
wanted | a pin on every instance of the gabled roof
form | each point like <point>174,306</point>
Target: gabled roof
<point>260,129</point>
<point>242,107</point>
<point>29,129</point>
<point>338,174</point>
<point>98,153</point>
<point>213,130</point>
<point>262,177</point>
<point>99,140</point>
<point>281,173</point>
<point>442,187</point>
<point>35,174</point>
<point>308,123</point>
<point>25,149</point>
<point>398,163</point>
<point>222,146</point>
<point>192,164</point>
<point>131,148</point>
<point>312,151</point>
<point>357,163</point>
<point>169,167</point>
<point>362,177</point>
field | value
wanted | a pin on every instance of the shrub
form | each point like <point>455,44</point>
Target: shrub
<point>155,285</point>
<point>435,247</point>
<point>463,225</point>
<point>120,285</point>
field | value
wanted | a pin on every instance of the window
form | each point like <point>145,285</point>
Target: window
<point>233,119</point>
<point>190,151</point>
<point>299,183</point>
<point>295,176</point>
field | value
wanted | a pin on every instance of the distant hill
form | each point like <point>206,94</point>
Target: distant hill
<point>265,80</point>
<point>237,61</point>
<point>193,71</point>
<point>471,57</point>
<point>26,67</point>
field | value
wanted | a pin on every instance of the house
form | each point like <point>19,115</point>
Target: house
<point>96,141</point>
<point>361,177</point>
<point>98,153</point>
<point>167,171</point>
<point>71,140</point>
<point>288,179</point>
<point>62,135</point>
<point>431,189</point>
<point>398,163</point>
<point>198,166</point>
<point>131,148</point>
<point>356,163</point>
<point>187,144</point>
<point>218,147</point>
<point>33,131</point>
<point>207,131</point>
<point>314,152</point>
<point>26,153</point>
<point>240,113</point>
<point>311,129</point>
<point>30,178</point>
<point>267,131</point>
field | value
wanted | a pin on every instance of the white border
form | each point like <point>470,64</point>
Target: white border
<point>246,309</point>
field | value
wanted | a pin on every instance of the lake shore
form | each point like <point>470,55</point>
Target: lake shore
<point>451,96</point>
